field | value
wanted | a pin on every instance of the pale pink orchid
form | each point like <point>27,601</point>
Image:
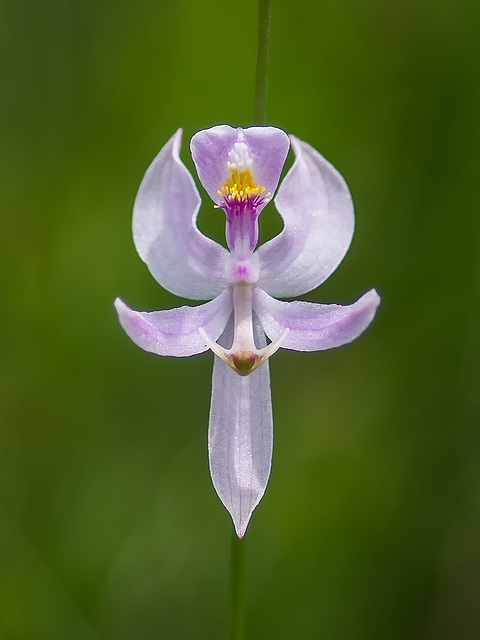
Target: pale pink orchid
<point>240,170</point>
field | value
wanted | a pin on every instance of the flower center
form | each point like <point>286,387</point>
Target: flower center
<point>243,356</point>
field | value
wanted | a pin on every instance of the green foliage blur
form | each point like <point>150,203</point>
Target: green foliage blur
<point>109,526</point>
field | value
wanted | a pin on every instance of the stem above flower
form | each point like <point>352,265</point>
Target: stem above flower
<point>261,74</point>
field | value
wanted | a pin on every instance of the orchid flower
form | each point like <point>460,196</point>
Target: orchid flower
<point>240,170</point>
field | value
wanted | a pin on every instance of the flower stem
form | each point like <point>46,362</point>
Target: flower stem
<point>237,579</point>
<point>261,74</point>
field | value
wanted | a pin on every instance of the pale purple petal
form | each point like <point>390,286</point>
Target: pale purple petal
<point>317,211</point>
<point>181,259</point>
<point>240,436</point>
<point>266,146</point>
<point>174,332</point>
<point>313,326</point>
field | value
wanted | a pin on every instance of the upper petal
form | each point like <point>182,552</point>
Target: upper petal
<point>265,147</point>
<point>240,436</point>
<point>313,326</point>
<point>174,332</point>
<point>181,259</point>
<point>317,210</point>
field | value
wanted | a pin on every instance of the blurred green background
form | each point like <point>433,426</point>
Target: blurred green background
<point>109,526</point>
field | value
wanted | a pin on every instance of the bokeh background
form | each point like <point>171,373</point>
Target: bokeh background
<point>109,526</point>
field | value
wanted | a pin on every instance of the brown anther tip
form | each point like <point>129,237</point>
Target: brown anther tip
<point>244,362</point>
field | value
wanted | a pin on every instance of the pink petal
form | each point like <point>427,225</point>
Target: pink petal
<point>181,259</point>
<point>240,436</point>
<point>174,332</point>
<point>266,146</point>
<point>317,210</point>
<point>313,326</point>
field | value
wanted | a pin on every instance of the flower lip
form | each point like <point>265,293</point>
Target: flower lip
<point>242,200</point>
<point>221,151</point>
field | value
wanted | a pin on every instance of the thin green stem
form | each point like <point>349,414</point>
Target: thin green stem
<point>237,580</point>
<point>261,74</point>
